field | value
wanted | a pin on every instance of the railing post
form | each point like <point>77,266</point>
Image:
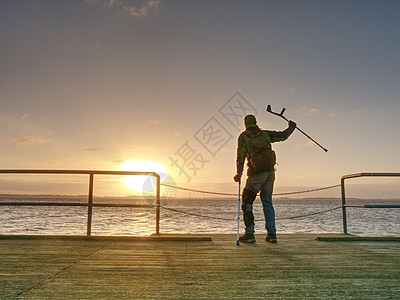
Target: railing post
<point>158,204</point>
<point>90,205</point>
<point>344,217</point>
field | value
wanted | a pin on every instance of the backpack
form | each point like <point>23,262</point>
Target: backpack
<point>262,158</point>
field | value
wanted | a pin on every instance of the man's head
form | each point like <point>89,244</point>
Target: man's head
<point>250,121</point>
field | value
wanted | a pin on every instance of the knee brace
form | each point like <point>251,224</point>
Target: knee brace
<point>248,197</point>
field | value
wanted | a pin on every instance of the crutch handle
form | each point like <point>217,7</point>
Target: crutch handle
<point>269,109</point>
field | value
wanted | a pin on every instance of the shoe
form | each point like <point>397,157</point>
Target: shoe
<point>247,238</point>
<point>271,237</point>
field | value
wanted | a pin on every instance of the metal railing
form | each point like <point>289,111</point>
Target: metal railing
<point>90,204</point>
<point>344,205</point>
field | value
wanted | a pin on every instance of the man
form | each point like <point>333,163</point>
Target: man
<point>254,145</point>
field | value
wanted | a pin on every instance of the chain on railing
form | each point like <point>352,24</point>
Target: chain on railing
<point>310,214</point>
<point>235,194</point>
<point>232,219</point>
<point>194,214</point>
<point>231,194</point>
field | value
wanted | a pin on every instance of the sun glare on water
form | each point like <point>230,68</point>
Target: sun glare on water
<point>140,183</point>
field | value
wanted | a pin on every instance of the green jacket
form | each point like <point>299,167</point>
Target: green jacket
<point>244,148</point>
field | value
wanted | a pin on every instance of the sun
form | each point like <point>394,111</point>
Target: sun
<point>139,183</point>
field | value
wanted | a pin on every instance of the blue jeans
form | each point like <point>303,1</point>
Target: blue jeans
<point>263,183</point>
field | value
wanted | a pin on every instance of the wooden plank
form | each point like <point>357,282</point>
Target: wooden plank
<point>153,237</point>
<point>298,266</point>
<point>355,238</point>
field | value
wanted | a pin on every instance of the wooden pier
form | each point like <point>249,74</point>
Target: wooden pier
<point>199,267</point>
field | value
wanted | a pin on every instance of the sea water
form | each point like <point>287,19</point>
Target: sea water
<point>195,216</point>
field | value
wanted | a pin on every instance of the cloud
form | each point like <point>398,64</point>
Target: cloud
<point>140,11</point>
<point>154,122</point>
<point>33,140</point>
<point>332,114</point>
<point>92,148</point>
<point>309,112</point>
<point>32,120</point>
<point>25,116</point>
<point>144,10</point>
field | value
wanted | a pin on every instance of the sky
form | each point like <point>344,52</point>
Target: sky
<point>118,84</point>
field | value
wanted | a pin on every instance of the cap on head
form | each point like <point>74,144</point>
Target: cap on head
<point>250,120</point>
